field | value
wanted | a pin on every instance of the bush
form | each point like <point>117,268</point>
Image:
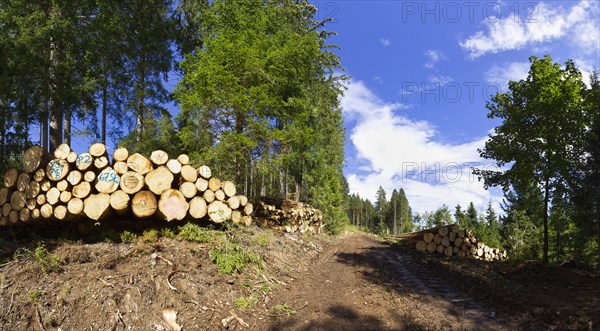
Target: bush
<point>48,262</point>
<point>230,257</point>
<point>195,233</point>
<point>128,237</point>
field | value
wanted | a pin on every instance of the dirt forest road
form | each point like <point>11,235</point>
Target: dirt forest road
<point>363,283</point>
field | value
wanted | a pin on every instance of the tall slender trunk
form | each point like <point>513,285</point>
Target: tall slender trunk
<point>2,129</point>
<point>67,125</point>
<point>140,95</point>
<point>104,109</point>
<point>55,125</point>
<point>55,105</point>
<point>598,224</point>
<point>546,201</point>
<point>44,128</point>
<point>395,224</point>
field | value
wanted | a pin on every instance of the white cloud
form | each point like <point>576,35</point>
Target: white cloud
<point>546,23</point>
<point>586,68</point>
<point>385,42</point>
<point>434,56</point>
<point>440,80</point>
<point>403,152</point>
<point>500,75</point>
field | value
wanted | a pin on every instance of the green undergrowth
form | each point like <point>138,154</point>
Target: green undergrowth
<point>231,257</point>
<point>44,260</point>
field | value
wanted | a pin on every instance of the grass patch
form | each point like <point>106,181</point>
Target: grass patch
<point>128,237</point>
<point>195,233</point>
<point>48,262</point>
<point>167,233</point>
<point>231,257</point>
<point>260,240</point>
<point>284,309</point>
<point>33,296</point>
<point>149,237</point>
<point>246,303</point>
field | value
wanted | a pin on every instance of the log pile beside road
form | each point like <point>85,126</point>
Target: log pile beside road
<point>452,241</point>
<point>288,215</point>
<point>67,186</point>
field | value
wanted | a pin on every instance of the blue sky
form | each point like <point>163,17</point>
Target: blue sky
<point>421,74</point>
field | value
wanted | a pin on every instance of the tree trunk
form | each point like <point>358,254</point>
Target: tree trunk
<point>143,204</point>
<point>67,125</point>
<point>44,128</point>
<point>104,109</point>
<point>598,226</point>
<point>173,205</point>
<point>198,207</point>
<point>97,206</point>
<point>159,180</point>
<point>546,200</point>
<point>159,157</point>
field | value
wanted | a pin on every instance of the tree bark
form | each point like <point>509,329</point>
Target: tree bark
<point>67,125</point>
<point>546,201</point>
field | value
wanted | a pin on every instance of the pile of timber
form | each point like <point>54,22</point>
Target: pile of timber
<point>452,241</point>
<point>288,215</point>
<point>68,186</point>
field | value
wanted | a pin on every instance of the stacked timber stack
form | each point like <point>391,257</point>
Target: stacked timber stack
<point>290,216</point>
<point>67,186</point>
<point>451,240</point>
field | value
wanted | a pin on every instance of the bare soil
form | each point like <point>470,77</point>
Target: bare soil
<point>349,282</point>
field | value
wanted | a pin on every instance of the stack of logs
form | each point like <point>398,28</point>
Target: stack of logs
<point>451,240</point>
<point>67,186</point>
<point>290,216</point>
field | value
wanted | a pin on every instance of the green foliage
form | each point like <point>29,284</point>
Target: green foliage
<point>246,303</point>
<point>128,237</point>
<point>260,240</point>
<point>195,233</point>
<point>284,309</point>
<point>167,233</point>
<point>231,257</point>
<point>542,133</point>
<point>33,296</point>
<point>386,217</point>
<point>260,100</point>
<point>48,262</point>
<point>149,236</point>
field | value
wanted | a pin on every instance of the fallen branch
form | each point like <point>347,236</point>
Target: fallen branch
<point>225,322</point>
<point>12,301</point>
<point>169,279</point>
<point>39,318</point>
